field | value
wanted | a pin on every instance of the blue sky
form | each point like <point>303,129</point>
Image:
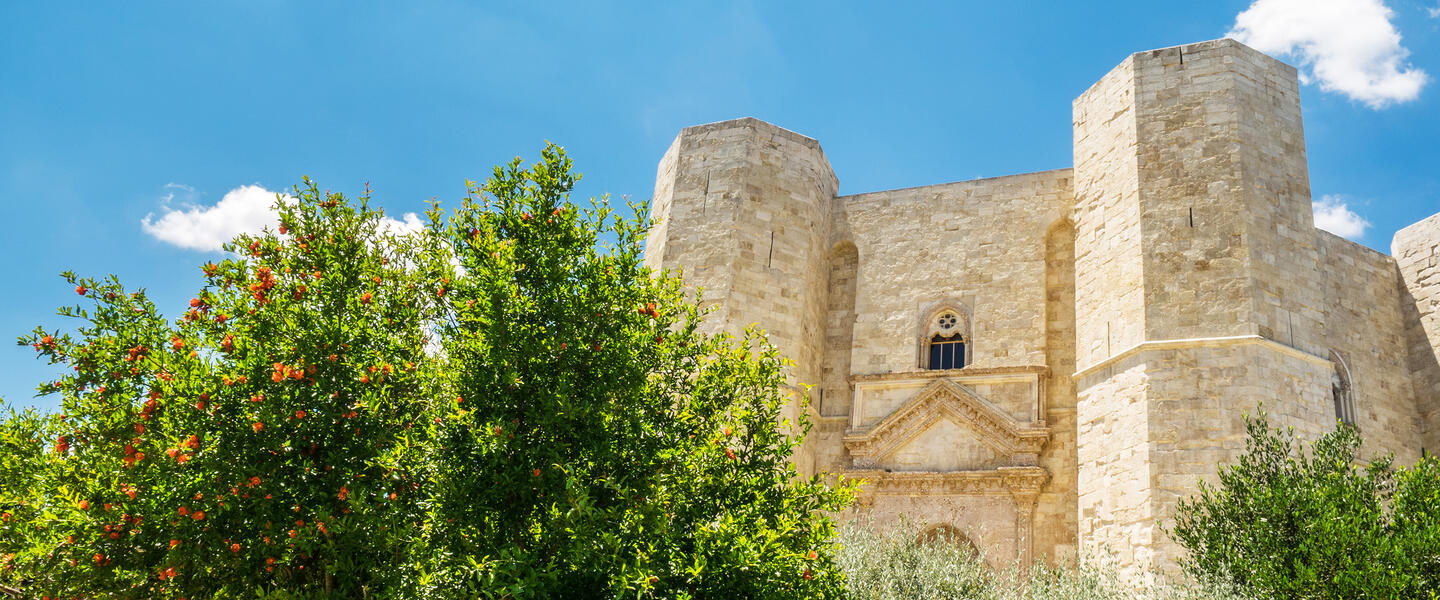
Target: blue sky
<point>112,113</point>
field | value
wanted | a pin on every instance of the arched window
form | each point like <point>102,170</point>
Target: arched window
<point>1341,390</point>
<point>945,337</point>
<point>948,534</point>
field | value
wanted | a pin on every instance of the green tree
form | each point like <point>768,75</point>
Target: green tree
<point>609,448</point>
<point>499,405</point>
<point>1284,523</point>
<point>255,443</point>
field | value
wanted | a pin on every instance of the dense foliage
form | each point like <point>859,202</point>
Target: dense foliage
<point>498,405</point>
<point>1284,523</point>
<point>899,563</point>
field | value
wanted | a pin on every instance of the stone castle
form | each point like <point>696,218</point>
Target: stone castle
<point>1048,361</point>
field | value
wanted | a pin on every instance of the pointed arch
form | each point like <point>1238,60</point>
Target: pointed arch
<point>1342,390</point>
<point>946,533</point>
<point>943,336</point>
<point>835,394</point>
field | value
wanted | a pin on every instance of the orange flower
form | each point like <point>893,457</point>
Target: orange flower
<point>199,515</point>
<point>234,547</point>
<point>174,543</point>
<point>257,426</point>
<point>254,481</point>
<point>84,505</point>
<point>344,493</point>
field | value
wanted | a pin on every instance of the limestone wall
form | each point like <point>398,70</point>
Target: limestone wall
<point>1226,224</point>
<point>844,263</point>
<point>1228,280</point>
<point>1056,517</point>
<point>992,245</point>
<point>1416,250</point>
<point>1365,326</point>
<point>1109,275</point>
<point>980,242</point>
<point>743,207</point>
<point>1135,307</point>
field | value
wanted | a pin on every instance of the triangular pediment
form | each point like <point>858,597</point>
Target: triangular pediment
<point>945,445</point>
<point>947,400</point>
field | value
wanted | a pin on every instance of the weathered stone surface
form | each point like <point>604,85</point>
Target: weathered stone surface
<point>1118,318</point>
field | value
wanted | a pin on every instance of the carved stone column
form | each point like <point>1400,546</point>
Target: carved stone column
<point>1024,484</point>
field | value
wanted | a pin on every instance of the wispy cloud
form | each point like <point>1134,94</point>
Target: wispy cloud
<point>1434,12</point>
<point>1347,46</point>
<point>1333,215</point>
<point>245,209</point>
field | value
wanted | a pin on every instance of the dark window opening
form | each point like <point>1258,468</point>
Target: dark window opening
<point>947,353</point>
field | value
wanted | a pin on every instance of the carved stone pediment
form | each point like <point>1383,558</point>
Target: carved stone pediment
<point>946,399</point>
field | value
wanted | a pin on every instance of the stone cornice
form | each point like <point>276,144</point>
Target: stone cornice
<point>1212,342</point>
<point>967,372</point>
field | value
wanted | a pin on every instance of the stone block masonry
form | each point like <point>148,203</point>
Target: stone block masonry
<point>1116,318</point>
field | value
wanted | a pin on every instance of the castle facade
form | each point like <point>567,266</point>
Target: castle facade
<point>1049,361</point>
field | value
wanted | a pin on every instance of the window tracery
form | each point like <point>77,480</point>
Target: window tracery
<point>945,337</point>
<point>1341,390</point>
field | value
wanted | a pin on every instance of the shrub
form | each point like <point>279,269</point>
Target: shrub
<point>1285,523</point>
<point>894,563</point>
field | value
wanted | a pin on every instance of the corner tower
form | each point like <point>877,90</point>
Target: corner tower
<point>1198,290</point>
<point>1417,253</point>
<point>743,208</point>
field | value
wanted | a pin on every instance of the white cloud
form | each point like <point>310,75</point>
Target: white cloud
<point>1347,46</point>
<point>411,224</point>
<point>1334,216</point>
<point>1434,12</point>
<point>245,209</point>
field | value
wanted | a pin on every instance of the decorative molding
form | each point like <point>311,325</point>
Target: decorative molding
<point>1213,342</point>
<point>968,374</point>
<point>1004,481</point>
<point>945,399</point>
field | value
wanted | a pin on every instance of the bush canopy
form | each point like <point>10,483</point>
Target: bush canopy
<point>501,404</point>
<point>1285,523</point>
